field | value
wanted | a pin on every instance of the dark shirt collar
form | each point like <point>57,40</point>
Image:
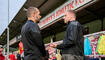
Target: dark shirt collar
<point>71,21</point>
<point>30,21</point>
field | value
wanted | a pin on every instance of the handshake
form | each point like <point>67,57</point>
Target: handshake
<point>53,45</point>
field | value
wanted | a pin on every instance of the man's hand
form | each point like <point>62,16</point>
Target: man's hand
<point>53,45</point>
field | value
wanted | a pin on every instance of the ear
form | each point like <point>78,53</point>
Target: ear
<point>33,15</point>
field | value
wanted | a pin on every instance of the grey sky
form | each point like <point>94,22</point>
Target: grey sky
<point>15,6</point>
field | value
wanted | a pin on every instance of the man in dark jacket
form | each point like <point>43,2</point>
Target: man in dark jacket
<point>32,41</point>
<point>72,46</point>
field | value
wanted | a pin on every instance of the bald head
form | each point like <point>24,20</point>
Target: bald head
<point>31,10</point>
<point>69,16</point>
<point>33,14</point>
<point>72,13</point>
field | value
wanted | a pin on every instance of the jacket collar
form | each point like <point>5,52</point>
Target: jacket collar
<point>73,21</point>
<point>30,21</point>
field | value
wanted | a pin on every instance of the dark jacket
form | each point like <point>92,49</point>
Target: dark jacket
<point>33,44</point>
<point>73,40</point>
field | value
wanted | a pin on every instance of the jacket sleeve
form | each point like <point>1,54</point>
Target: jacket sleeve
<point>70,37</point>
<point>35,32</point>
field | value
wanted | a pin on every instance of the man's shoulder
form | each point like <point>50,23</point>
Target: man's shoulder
<point>28,25</point>
<point>75,24</point>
